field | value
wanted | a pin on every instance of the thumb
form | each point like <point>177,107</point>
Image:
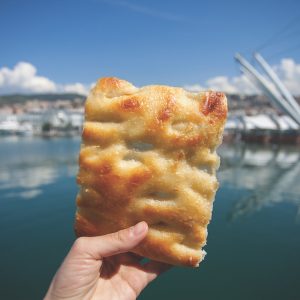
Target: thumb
<point>114,243</point>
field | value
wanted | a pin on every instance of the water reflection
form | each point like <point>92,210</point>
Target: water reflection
<point>269,175</point>
<point>29,164</point>
<point>25,182</point>
<point>28,177</point>
<point>266,175</point>
<point>27,194</point>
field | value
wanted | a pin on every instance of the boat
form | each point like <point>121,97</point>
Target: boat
<point>11,126</point>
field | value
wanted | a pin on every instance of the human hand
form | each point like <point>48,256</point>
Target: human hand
<point>102,268</point>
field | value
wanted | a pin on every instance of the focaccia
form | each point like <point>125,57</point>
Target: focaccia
<point>149,154</point>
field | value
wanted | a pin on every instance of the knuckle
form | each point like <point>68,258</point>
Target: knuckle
<point>121,236</point>
<point>80,244</point>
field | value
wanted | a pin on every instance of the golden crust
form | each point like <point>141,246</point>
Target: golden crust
<point>150,154</point>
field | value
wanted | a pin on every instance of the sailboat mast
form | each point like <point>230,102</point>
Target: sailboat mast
<point>277,82</point>
<point>263,84</point>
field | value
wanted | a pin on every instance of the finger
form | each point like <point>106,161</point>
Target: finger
<point>113,243</point>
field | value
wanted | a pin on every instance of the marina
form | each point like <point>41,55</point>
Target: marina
<point>147,151</point>
<point>262,128</point>
<point>272,116</point>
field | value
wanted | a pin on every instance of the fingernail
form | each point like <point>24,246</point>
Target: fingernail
<point>139,228</point>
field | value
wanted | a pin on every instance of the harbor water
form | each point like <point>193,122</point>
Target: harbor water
<point>254,237</point>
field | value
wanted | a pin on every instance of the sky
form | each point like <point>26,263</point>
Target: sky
<point>65,46</point>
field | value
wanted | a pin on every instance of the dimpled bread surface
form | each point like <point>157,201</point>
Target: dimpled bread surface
<point>149,154</point>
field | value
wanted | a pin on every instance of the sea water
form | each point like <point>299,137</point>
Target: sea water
<point>254,237</point>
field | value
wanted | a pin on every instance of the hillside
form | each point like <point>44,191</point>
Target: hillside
<point>21,98</point>
<point>235,102</point>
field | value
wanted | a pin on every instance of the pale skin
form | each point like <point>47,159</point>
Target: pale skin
<point>103,268</point>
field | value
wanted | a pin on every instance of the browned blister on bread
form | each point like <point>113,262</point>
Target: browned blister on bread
<point>150,154</point>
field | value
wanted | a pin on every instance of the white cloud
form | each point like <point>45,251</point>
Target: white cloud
<point>23,78</point>
<point>194,87</point>
<point>288,71</point>
<point>235,85</point>
<point>77,87</point>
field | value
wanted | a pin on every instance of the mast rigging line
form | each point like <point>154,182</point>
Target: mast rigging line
<point>276,35</point>
<point>290,49</point>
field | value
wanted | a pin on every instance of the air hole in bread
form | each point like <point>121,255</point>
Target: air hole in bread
<point>132,156</point>
<point>107,117</point>
<point>207,168</point>
<point>162,195</point>
<point>160,224</point>
<point>141,146</point>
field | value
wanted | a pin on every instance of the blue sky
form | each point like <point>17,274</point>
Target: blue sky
<point>146,42</point>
